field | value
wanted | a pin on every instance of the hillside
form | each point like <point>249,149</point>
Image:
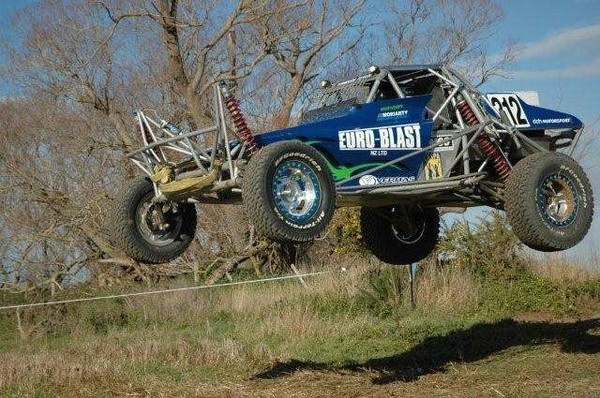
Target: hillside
<point>351,333</point>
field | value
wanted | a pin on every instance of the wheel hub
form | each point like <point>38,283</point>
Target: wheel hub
<point>158,223</point>
<point>296,190</point>
<point>557,200</point>
<point>408,224</point>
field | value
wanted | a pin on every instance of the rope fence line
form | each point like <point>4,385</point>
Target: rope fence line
<point>151,292</point>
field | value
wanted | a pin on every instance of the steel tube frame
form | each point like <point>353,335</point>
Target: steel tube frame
<point>172,139</point>
<point>391,188</point>
<point>145,158</point>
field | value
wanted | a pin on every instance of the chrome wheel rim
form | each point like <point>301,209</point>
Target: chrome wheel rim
<point>557,200</point>
<point>296,190</point>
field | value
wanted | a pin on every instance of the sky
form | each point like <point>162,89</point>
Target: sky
<point>560,54</point>
<point>559,58</point>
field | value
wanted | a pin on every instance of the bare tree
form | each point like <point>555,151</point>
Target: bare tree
<point>299,34</point>
<point>87,64</point>
<point>446,31</point>
<point>66,54</point>
<point>193,39</point>
<point>81,66</point>
<point>52,203</point>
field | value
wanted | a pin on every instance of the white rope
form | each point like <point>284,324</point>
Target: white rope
<point>180,289</point>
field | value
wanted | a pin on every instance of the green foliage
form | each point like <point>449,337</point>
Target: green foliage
<point>361,317</point>
<point>345,230</point>
<point>385,289</point>
<point>102,318</point>
<point>487,248</point>
<point>332,305</point>
<point>534,293</point>
<point>589,288</point>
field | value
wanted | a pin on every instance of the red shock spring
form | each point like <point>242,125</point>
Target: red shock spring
<point>490,149</point>
<point>239,121</point>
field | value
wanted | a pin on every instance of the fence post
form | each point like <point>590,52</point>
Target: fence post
<point>412,272</point>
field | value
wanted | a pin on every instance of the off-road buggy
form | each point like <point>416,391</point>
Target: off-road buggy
<point>401,142</point>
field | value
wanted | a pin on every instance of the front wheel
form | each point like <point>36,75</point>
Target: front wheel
<point>400,234</point>
<point>288,192</point>
<point>548,201</point>
<point>151,232</point>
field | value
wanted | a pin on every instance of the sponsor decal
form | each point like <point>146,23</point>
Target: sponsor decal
<point>388,138</point>
<point>446,146</point>
<point>391,108</point>
<point>392,111</point>
<point>385,115</point>
<point>395,180</point>
<point>433,167</point>
<point>554,120</point>
<point>368,179</point>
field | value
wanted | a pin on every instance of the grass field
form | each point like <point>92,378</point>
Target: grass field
<point>349,334</point>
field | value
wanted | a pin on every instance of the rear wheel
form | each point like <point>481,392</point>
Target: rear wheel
<point>400,234</point>
<point>549,201</point>
<point>151,232</point>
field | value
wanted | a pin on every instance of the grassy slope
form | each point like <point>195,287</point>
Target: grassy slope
<point>352,335</point>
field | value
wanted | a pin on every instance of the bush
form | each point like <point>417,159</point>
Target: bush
<point>344,231</point>
<point>384,289</point>
<point>487,248</point>
<point>101,318</point>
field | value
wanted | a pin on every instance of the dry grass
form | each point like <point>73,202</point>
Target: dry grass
<point>450,289</point>
<point>558,267</point>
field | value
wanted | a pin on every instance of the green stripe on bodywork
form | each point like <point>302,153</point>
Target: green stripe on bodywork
<point>340,173</point>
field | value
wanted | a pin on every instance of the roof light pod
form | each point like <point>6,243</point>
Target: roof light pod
<point>373,69</point>
<point>325,83</point>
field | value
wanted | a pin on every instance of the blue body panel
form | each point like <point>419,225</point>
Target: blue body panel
<point>540,118</point>
<point>364,136</point>
<point>358,137</point>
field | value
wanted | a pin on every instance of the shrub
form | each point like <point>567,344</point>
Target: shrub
<point>384,289</point>
<point>344,231</point>
<point>487,248</point>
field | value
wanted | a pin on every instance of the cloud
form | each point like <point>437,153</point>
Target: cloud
<point>564,42</point>
<point>573,53</point>
<point>586,69</point>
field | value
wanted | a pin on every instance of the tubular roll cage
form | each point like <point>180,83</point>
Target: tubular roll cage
<point>159,140</point>
<point>453,190</point>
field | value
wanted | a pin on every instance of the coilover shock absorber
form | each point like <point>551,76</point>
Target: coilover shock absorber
<point>242,131</point>
<point>489,148</point>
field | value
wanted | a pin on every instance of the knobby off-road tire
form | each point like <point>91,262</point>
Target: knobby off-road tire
<point>134,233</point>
<point>288,192</point>
<point>395,244</point>
<point>549,201</point>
